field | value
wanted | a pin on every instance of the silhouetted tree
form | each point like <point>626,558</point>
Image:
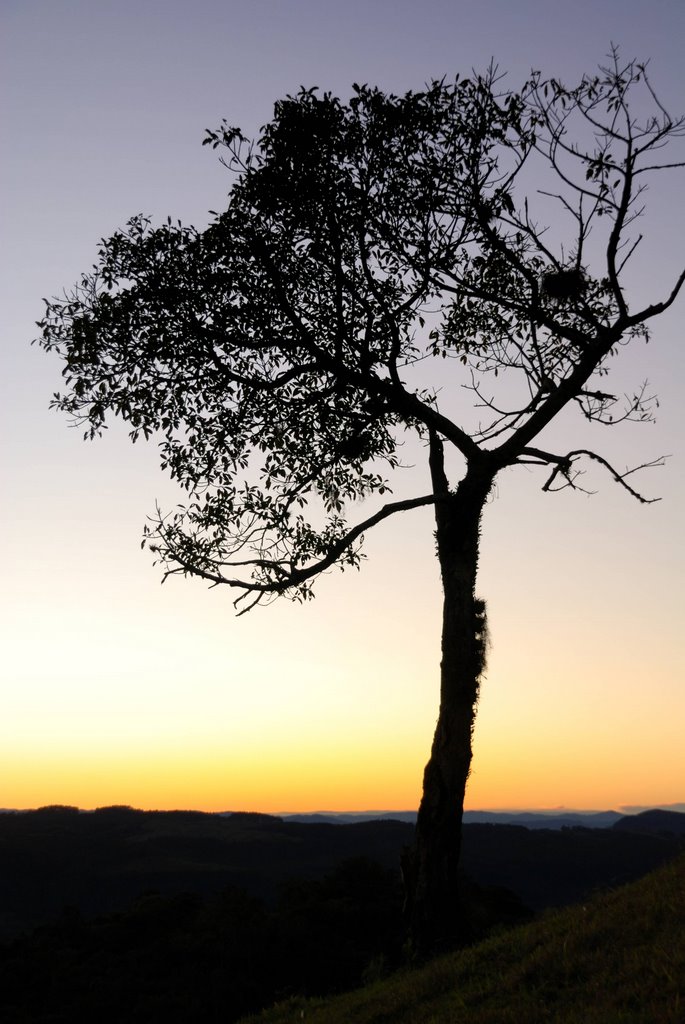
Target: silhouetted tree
<point>278,354</point>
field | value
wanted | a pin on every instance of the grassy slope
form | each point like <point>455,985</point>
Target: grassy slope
<point>618,958</point>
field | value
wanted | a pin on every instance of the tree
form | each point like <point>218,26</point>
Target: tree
<point>278,354</point>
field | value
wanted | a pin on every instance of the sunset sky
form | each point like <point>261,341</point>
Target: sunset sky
<point>116,690</point>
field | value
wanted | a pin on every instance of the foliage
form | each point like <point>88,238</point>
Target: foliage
<point>279,355</point>
<point>186,957</point>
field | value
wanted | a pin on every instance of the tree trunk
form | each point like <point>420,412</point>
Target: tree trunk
<point>430,867</point>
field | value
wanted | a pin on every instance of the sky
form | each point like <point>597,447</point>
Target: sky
<point>115,690</point>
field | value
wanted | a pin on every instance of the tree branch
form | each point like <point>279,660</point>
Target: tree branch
<point>563,468</point>
<point>288,576</point>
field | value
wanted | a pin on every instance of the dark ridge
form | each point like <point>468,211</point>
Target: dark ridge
<point>671,823</point>
<point>101,861</point>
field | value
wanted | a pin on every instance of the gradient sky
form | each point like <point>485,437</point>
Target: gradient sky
<point>117,690</point>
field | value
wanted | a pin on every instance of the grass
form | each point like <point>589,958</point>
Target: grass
<point>617,959</point>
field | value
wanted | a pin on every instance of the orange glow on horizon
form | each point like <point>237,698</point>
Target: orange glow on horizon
<point>323,776</point>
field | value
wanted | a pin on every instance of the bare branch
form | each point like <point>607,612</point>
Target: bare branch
<point>563,468</point>
<point>658,307</point>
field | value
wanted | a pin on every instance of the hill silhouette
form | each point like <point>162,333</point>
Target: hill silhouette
<point>531,819</point>
<point>654,822</point>
<point>101,861</point>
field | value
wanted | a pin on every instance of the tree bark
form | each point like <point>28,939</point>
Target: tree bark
<point>430,866</point>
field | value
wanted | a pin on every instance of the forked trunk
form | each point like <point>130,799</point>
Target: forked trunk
<point>430,867</point>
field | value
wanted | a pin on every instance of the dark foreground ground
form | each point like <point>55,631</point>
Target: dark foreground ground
<point>121,915</point>
<point>617,958</point>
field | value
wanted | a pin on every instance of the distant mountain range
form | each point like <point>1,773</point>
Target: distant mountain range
<point>100,861</point>
<point>559,818</point>
<point>555,819</point>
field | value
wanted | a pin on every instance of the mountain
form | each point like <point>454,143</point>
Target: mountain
<point>635,809</point>
<point>350,817</point>
<point>100,861</point>
<point>544,819</point>
<point>530,819</point>
<point>653,822</point>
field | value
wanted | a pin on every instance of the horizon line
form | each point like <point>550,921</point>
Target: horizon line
<point>625,809</point>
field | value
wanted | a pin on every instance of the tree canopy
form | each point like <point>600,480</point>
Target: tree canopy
<point>274,353</point>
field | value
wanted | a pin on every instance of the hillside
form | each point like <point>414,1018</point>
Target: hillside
<point>100,862</point>
<point>620,957</point>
